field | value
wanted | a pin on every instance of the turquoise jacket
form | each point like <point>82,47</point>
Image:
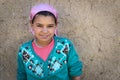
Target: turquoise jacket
<point>62,63</point>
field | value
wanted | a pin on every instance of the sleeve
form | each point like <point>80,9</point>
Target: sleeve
<point>21,73</point>
<point>74,63</point>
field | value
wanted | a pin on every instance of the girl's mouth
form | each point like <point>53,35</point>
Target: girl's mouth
<point>44,36</point>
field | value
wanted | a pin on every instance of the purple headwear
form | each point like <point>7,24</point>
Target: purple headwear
<point>43,7</point>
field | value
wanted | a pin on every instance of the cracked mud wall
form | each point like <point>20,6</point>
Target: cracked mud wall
<point>93,26</point>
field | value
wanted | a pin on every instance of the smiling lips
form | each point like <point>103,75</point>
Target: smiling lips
<point>44,36</point>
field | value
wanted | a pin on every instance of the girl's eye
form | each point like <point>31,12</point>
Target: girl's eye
<point>50,26</point>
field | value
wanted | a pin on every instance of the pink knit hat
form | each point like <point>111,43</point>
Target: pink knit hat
<point>43,7</point>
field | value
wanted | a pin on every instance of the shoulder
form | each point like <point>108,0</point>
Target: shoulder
<point>63,39</point>
<point>25,45</point>
<point>64,42</point>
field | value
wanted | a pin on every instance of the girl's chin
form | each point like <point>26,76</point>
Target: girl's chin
<point>45,39</point>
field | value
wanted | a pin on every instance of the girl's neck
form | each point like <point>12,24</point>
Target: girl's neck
<point>41,44</point>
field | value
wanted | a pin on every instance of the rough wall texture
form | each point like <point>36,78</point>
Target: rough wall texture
<point>93,26</point>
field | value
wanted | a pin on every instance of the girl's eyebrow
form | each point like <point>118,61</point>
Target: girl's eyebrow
<point>39,23</point>
<point>51,24</point>
<point>42,24</point>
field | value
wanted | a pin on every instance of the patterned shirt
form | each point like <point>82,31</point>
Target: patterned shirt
<point>62,63</point>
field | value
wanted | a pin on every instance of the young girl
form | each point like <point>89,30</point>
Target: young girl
<point>47,56</point>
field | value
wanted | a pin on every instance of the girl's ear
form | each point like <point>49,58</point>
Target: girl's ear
<point>56,31</point>
<point>30,28</point>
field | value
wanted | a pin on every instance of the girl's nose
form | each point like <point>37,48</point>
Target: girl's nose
<point>45,30</point>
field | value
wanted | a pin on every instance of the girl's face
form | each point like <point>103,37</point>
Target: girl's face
<point>43,28</point>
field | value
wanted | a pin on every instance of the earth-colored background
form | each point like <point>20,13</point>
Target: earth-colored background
<point>93,26</point>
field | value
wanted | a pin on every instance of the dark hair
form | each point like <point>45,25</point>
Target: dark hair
<point>45,13</point>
